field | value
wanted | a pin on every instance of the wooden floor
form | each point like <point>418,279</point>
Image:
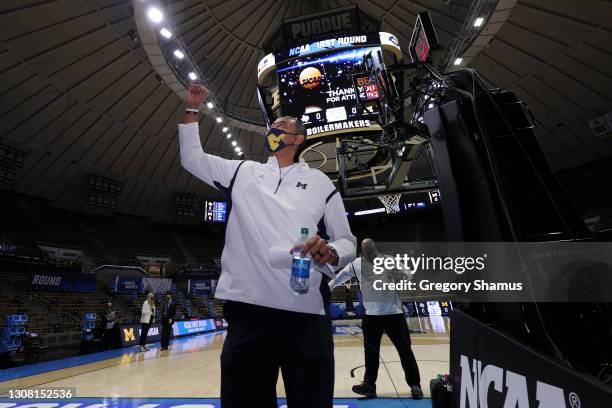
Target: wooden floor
<point>192,364</point>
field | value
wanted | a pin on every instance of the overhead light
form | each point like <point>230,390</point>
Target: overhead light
<point>431,105</point>
<point>478,22</point>
<point>234,143</point>
<point>178,54</point>
<point>371,211</point>
<point>193,76</point>
<point>155,15</point>
<point>165,32</point>
<point>237,150</point>
<point>229,136</point>
<point>224,129</point>
<point>239,153</point>
<point>209,105</point>
<point>458,61</point>
<point>219,120</point>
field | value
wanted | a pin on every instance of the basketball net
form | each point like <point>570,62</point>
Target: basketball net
<point>391,202</point>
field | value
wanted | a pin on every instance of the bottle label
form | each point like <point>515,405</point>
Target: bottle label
<point>301,267</point>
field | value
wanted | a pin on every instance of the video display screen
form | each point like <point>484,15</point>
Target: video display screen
<point>421,47</point>
<point>319,90</point>
<point>367,87</point>
<point>215,211</point>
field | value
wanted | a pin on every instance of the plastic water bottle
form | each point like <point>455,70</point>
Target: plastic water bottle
<point>300,268</point>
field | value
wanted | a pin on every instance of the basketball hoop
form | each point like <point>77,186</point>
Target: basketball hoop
<point>391,202</point>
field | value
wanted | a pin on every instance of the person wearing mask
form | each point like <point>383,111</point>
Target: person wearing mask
<point>383,314</point>
<point>147,317</point>
<point>271,327</point>
<point>167,318</point>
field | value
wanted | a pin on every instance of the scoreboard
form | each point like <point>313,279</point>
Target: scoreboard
<point>314,82</point>
<point>215,211</point>
<point>319,90</point>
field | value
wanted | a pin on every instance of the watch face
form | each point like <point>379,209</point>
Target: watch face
<point>333,250</point>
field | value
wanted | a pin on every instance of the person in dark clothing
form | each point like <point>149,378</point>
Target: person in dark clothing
<point>383,314</point>
<point>109,322</point>
<point>167,318</point>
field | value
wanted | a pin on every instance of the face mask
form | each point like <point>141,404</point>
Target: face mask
<point>275,140</point>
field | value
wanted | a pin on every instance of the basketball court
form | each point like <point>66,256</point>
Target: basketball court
<point>131,378</point>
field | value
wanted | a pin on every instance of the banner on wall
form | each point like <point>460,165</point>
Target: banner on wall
<point>127,284</point>
<point>63,281</point>
<point>201,286</point>
<point>193,326</point>
<point>130,333</point>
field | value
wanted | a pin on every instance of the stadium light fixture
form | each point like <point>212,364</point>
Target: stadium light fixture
<point>237,150</point>
<point>178,54</point>
<point>229,136</point>
<point>209,105</point>
<point>234,143</point>
<point>193,76</point>
<point>155,15</point>
<point>431,105</point>
<point>225,129</point>
<point>239,153</point>
<point>458,61</point>
<point>370,211</point>
<point>478,22</point>
<point>166,33</point>
<point>219,120</point>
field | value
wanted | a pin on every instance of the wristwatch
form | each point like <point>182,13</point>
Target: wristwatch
<point>333,251</point>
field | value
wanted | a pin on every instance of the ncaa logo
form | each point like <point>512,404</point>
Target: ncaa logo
<point>479,379</point>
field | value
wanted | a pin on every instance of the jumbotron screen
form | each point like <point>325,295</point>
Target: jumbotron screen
<point>319,90</point>
<point>215,211</point>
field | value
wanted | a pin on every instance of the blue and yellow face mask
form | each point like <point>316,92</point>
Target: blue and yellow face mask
<point>275,140</point>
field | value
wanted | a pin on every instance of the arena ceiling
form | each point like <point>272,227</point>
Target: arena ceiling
<point>80,96</point>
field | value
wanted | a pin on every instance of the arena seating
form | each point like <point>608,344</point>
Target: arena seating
<point>116,239</point>
<point>48,312</point>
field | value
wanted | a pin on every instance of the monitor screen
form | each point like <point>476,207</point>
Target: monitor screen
<point>215,211</point>
<point>319,90</point>
<point>423,39</point>
<point>367,87</point>
<point>421,46</point>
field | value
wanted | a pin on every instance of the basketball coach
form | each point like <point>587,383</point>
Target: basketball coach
<point>270,327</point>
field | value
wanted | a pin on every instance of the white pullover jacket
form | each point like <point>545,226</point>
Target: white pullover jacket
<point>387,302</point>
<point>264,212</point>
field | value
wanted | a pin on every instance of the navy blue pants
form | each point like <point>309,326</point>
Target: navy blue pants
<point>396,328</point>
<point>261,341</point>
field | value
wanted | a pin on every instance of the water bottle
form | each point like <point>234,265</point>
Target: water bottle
<point>300,268</point>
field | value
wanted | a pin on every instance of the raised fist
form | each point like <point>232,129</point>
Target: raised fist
<point>196,94</point>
